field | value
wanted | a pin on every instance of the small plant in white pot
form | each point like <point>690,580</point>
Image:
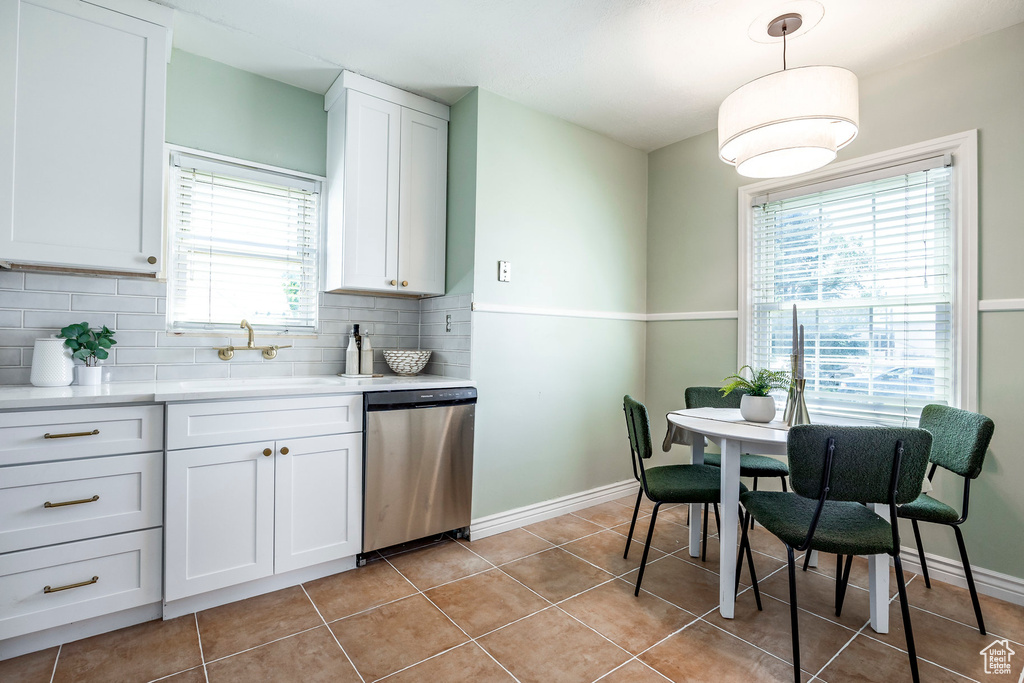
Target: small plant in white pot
<point>89,346</point>
<point>756,405</point>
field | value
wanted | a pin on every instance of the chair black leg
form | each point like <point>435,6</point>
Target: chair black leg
<point>842,581</point>
<point>647,549</point>
<point>970,578</point>
<point>920,553</point>
<point>704,542</point>
<point>755,483</point>
<point>793,615</point>
<point>807,559</point>
<point>785,488</point>
<point>718,520</point>
<point>745,547</point>
<point>632,525</point>
<point>905,607</point>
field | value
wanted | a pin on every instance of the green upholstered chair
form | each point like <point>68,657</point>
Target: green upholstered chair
<point>835,473</point>
<point>960,440</point>
<point>666,483</point>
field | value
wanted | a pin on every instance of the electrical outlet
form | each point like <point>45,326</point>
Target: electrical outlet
<point>448,323</point>
<point>504,271</point>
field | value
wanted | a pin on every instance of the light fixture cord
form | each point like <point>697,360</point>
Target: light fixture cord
<point>783,46</point>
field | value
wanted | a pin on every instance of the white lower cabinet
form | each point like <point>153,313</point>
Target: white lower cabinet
<point>241,512</point>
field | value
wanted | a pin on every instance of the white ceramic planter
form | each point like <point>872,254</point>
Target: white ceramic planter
<point>757,408</point>
<point>89,376</point>
<point>51,363</point>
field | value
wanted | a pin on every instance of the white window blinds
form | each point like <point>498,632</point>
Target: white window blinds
<point>871,268</point>
<point>243,244</point>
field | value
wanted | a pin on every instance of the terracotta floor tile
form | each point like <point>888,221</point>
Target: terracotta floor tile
<point>486,601</point>
<point>633,623</point>
<point>770,630</point>
<point>551,646</point>
<point>508,546</point>
<point>358,589</point>
<point>817,593</point>
<point>858,572</point>
<point>429,567</point>
<point>196,675</point>
<point>668,537</point>
<point>681,583</point>
<point>605,550</point>
<point>310,657</point>
<point>606,514</point>
<point>947,643</point>
<point>954,602</point>
<point>868,661</point>
<point>465,664</point>
<point>240,625</point>
<point>764,565</point>
<point>556,574</point>
<point>634,672</point>
<point>395,636</point>
<point>31,668</point>
<point>563,529</point>
<point>677,514</point>
<point>704,653</point>
<point>630,502</point>
<point>137,653</point>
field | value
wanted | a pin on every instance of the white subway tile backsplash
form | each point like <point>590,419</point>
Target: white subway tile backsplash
<point>14,375</point>
<point>69,283</point>
<point>129,373</point>
<point>204,371</point>
<point>10,280</point>
<point>10,318</point>
<point>141,287</point>
<point>10,356</point>
<point>127,304</point>
<point>268,369</point>
<point>155,356</point>
<point>60,319</point>
<point>45,300</point>
<point>132,321</point>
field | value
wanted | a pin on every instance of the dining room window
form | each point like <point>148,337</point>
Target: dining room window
<point>243,242</point>
<point>879,260</point>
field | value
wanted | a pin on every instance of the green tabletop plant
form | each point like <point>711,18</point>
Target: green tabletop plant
<point>88,345</point>
<point>761,382</point>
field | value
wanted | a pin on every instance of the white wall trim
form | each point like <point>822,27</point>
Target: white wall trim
<point>538,512</point>
<point>483,307</point>
<point>76,630</point>
<point>988,582</point>
<point>1001,305</point>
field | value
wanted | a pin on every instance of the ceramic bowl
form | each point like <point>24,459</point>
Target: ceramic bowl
<point>406,363</point>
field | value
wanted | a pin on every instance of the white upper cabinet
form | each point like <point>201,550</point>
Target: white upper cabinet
<point>387,168</point>
<point>82,92</point>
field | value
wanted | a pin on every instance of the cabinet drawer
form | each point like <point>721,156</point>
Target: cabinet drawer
<point>42,435</point>
<point>67,501</point>
<point>192,425</point>
<point>126,568</point>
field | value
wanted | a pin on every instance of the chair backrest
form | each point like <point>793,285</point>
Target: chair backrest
<point>960,438</point>
<point>639,426</point>
<point>862,462</point>
<point>711,397</point>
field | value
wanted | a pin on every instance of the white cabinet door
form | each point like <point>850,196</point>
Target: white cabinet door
<point>219,521</point>
<point>422,207</point>
<point>81,135</point>
<point>372,142</point>
<point>317,508</point>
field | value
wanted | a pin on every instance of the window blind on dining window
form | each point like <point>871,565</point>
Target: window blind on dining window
<point>243,243</point>
<point>870,265</point>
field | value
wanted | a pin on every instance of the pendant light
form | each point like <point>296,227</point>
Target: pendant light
<point>791,121</point>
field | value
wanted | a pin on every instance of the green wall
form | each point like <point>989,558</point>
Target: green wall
<point>567,207</point>
<point>461,238</point>
<point>220,109</point>
<point>692,258</point>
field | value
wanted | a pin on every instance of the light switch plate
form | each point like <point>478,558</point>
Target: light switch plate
<point>504,271</point>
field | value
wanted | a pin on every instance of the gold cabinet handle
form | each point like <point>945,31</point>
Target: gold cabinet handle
<point>405,283</point>
<point>151,260</point>
<point>284,450</point>
<point>267,452</point>
<point>68,436</point>
<point>48,504</point>
<point>394,282</point>
<point>91,581</point>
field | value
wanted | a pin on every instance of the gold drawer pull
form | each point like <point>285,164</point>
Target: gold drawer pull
<point>284,450</point>
<point>267,452</point>
<point>48,504</point>
<point>66,436</point>
<point>91,581</point>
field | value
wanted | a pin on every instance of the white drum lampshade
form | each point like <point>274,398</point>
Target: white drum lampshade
<point>789,122</point>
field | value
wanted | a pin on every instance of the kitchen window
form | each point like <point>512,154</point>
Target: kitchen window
<point>879,256</point>
<point>243,242</point>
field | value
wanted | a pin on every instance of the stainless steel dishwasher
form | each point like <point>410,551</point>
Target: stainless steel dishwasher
<point>418,464</point>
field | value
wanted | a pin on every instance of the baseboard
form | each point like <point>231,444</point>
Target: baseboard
<point>66,633</point>
<point>1002,586</point>
<point>538,512</point>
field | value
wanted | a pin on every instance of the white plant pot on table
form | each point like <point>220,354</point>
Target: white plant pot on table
<point>89,376</point>
<point>757,408</point>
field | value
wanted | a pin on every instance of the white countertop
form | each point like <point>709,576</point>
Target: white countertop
<point>166,391</point>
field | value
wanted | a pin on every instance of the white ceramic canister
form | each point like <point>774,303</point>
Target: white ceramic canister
<point>51,363</point>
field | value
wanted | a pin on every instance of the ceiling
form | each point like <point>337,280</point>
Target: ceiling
<point>645,72</point>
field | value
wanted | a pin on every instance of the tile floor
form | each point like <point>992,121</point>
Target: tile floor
<point>550,602</point>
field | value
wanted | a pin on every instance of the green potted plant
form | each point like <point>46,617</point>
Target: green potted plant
<point>89,346</point>
<point>757,405</point>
